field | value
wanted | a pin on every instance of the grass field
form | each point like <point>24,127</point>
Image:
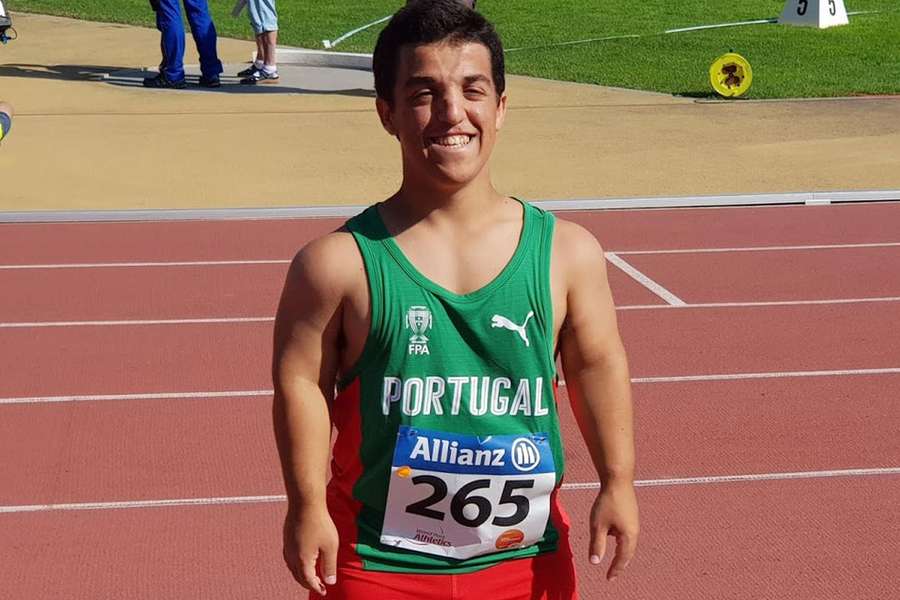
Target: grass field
<point>861,58</point>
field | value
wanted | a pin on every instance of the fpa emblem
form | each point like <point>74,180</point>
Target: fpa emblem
<point>419,320</point>
<point>525,455</point>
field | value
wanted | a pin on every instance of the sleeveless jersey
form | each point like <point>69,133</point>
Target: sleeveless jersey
<point>448,456</point>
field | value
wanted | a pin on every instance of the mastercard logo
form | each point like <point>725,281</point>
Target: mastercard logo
<point>509,538</point>
<point>404,472</point>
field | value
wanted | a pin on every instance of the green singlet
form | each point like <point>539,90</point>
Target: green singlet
<point>449,457</point>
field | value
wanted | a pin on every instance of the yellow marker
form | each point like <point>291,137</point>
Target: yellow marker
<point>731,75</point>
<point>404,472</point>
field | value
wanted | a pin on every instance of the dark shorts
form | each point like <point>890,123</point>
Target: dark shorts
<point>5,124</point>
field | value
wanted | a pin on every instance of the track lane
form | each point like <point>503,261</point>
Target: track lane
<point>741,226</point>
<point>798,539</point>
<point>620,230</point>
<point>214,447</point>
<point>176,292</point>
<point>218,357</point>
<point>137,450</point>
<point>141,293</point>
<point>776,275</point>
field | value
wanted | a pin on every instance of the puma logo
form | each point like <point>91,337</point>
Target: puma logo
<point>501,321</point>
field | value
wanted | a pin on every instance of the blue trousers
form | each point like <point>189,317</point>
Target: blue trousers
<point>170,25</point>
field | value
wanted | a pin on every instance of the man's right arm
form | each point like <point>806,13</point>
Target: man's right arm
<point>305,362</point>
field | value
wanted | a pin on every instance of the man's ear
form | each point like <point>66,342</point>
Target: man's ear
<point>501,112</point>
<point>384,113</point>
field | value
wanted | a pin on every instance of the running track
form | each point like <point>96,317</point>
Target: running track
<point>764,345</point>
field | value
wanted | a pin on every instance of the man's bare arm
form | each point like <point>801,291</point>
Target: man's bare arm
<point>305,362</point>
<point>599,388</point>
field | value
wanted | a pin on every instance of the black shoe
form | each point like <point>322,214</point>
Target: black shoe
<point>210,82</point>
<point>248,71</point>
<point>161,81</point>
<point>260,76</point>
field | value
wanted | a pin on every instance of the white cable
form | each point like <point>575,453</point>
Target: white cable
<point>352,32</point>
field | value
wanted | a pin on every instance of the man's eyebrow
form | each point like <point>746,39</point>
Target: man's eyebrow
<point>477,79</point>
<point>417,81</point>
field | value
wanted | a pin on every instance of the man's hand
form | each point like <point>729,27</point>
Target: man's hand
<point>310,537</point>
<point>614,513</point>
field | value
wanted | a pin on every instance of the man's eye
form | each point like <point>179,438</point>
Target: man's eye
<point>475,92</point>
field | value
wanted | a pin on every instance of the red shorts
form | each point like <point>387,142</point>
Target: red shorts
<point>546,577</point>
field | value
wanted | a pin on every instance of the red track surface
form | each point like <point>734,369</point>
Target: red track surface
<point>809,539</point>
<point>235,356</point>
<point>147,292</point>
<point>774,276</point>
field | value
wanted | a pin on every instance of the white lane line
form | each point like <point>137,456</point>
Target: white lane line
<point>212,263</point>
<point>743,478</point>
<point>120,265</point>
<point>760,304</point>
<point>226,500</point>
<point>773,375</point>
<point>152,396</point>
<point>245,393</point>
<point>27,324</point>
<point>143,504</point>
<point>22,325</point>
<point>759,248</point>
<point>645,281</point>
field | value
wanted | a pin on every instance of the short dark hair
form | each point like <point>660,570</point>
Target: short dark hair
<point>426,22</point>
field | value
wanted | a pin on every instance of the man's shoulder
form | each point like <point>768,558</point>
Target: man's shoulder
<point>573,241</point>
<point>331,262</point>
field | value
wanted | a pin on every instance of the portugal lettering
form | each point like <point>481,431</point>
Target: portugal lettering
<point>475,396</point>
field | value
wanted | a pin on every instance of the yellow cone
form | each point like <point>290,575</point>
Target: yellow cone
<point>731,75</point>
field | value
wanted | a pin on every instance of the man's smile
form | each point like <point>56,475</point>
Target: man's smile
<point>451,141</point>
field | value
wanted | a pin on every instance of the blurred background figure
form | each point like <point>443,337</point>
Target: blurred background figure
<point>171,27</point>
<point>264,20</point>
<point>6,113</point>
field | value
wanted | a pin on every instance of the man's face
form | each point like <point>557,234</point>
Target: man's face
<point>446,112</point>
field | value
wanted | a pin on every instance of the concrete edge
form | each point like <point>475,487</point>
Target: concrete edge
<point>305,57</point>
<point>319,212</point>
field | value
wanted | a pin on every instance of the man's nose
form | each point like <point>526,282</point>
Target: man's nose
<point>451,108</point>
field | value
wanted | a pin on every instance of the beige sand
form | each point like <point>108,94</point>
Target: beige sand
<point>81,143</point>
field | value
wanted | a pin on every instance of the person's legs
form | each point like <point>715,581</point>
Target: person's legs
<point>204,32</point>
<point>260,50</point>
<point>265,19</point>
<point>270,42</point>
<point>171,28</point>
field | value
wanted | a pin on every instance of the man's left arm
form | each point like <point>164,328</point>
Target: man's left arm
<point>597,380</point>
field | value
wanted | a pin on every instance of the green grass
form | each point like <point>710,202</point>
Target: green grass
<point>861,58</point>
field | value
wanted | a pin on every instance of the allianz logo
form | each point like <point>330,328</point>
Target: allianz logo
<point>524,453</point>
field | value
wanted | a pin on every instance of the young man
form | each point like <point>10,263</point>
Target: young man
<point>438,313</point>
<point>6,114</point>
<point>171,28</point>
<point>264,20</point>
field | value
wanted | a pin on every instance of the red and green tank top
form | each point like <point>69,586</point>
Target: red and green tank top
<point>448,455</point>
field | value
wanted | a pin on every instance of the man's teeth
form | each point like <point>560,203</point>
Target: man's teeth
<point>452,140</point>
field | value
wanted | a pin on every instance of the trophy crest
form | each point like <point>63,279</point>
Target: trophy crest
<point>418,318</point>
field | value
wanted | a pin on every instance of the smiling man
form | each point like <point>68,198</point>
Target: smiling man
<point>438,315</point>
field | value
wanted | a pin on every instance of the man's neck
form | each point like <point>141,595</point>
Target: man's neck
<point>415,202</point>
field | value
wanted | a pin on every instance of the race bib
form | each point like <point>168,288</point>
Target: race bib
<point>462,495</point>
